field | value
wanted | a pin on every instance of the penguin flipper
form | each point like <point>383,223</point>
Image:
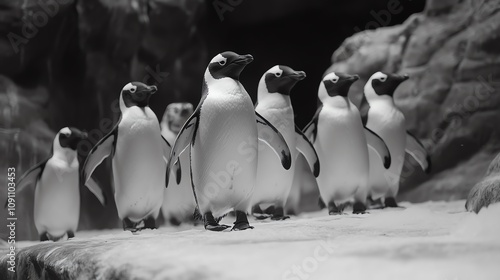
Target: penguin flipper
<point>307,149</point>
<point>103,149</point>
<point>377,144</point>
<point>182,142</point>
<point>364,107</point>
<point>30,177</point>
<point>267,133</point>
<point>416,150</point>
<point>311,129</point>
<point>167,148</point>
<point>94,188</point>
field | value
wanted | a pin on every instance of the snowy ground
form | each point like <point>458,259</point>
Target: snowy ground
<point>434,240</point>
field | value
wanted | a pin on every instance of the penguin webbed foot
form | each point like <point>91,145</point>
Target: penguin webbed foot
<point>70,234</point>
<point>44,237</point>
<point>174,221</point>
<point>279,214</point>
<point>211,224</point>
<point>359,208</point>
<point>241,222</point>
<point>259,214</point>
<point>391,203</point>
<point>148,223</point>
<point>375,204</point>
<point>334,209</point>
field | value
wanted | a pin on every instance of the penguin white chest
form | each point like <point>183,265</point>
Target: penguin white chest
<point>273,181</point>
<point>138,165</point>
<point>389,123</point>
<point>342,150</point>
<point>57,198</point>
<point>224,155</point>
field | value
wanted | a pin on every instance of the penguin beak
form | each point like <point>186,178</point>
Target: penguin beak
<point>403,77</point>
<point>298,75</point>
<point>243,59</point>
<point>152,89</point>
<point>353,78</point>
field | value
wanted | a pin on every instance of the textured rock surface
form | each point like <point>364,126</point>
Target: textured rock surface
<point>487,191</point>
<point>424,241</point>
<point>67,65</point>
<point>452,101</point>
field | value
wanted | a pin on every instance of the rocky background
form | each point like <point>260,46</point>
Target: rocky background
<point>452,101</point>
<point>70,59</point>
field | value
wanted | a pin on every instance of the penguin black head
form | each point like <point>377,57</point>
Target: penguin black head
<point>69,137</point>
<point>386,83</point>
<point>228,64</point>
<point>176,115</point>
<point>281,79</point>
<point>338,84</point>
<point>137,94</point>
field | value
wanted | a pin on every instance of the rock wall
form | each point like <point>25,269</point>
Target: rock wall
<point>487,191</point>
<point>64,63</point>
<point>452,101</point>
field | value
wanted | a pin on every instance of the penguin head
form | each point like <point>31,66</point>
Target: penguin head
<point>176,115</point>
<point>69,137</point>
<point>336,84</point>
<point>280,79</point>
<point>228,65</point>
<point>385,83</point>
<point>137,94</point>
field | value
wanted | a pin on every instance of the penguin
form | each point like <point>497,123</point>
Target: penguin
<point>57,181</point>
<point>139,155</point>
<point>178,202</point>
<point>222,137</point>
<point>274,183</point>
<point>342,142</point>
<point>385,119</point>
<point>303,186</point>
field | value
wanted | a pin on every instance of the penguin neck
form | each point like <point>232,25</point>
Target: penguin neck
<point>272,100</point>
<point>123,107</point>
<point>64,154</point>
<point>337,102</point>
<point>223,86</point>
<point>332,101</point>
<point>135,111</point>
<point>372,97</point>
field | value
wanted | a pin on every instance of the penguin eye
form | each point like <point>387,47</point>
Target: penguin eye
<point>382,79</point>
<point>335,80</point>
<point>222,62</point>
<point>277,74</point>
<point>132,90</point>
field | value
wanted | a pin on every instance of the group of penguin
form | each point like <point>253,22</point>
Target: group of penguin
<point>228,154</point>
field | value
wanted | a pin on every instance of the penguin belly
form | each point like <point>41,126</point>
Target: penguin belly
<point>178,199</point>
<point>57,199</point>
<point>224,155</point>
<point>138,166</point>
<point>342,151</point>
<point>273,182</point>
<point>389,124</point>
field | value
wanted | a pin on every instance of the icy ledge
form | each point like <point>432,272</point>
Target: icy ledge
<point>434,240</point>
